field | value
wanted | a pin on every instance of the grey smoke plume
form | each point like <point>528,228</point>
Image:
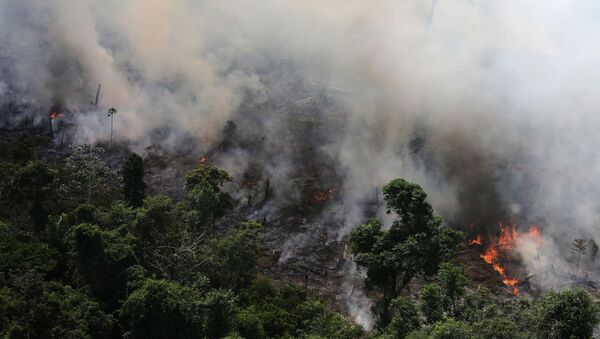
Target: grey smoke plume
<point>490,106</point>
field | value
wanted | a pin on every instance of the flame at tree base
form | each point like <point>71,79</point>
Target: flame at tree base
<point>505,243</point>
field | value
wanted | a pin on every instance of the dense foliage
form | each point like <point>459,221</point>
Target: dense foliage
<point>448,305</point>
<point>85,253</point>
<point>416,243</point>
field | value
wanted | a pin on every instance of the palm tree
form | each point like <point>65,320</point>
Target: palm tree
<point>111,114</point>
<point>578,246</point>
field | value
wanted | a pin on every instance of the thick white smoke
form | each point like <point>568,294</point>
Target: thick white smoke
<point>490,105</point>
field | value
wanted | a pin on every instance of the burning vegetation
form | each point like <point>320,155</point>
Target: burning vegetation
<point>502,247</point>
<point>260,151</point>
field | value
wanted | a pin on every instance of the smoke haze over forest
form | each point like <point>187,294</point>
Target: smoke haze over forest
<point>491,106</point>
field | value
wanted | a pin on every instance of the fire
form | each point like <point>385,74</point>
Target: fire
<point>535,234</point>
<point>499,269</point>
<point>512,283</point>
<point>55,115</point>
<point>508,237</point>
<point>476,241</point>
<point>490,255</point>
<point>203,159</point>
<point>505,242</point>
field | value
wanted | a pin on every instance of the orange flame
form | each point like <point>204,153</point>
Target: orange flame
<point>490,255</point>
<point>499,269</point>
<point>476,241</point>
<point>55,115</point>
<point>203,159</point>
<point>535,234</point>
<point>507,241</point>
<point>508,237</point>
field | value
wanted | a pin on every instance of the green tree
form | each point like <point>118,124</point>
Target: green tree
<point>206,197</point>
<point>498,327</point>
<point>51,310</point>
<point>415,243</point>
<point>33,316</point>
<point>451,329</point>
<point>134,188</point>
<point>33,185</point>
<point>118,216</point>
<point>286,311</point>
<point>232,259</point>
<point>570,313</point>
<point>18,257</point>
<point>248,324</point>
<point>219,308</point>
<point>155,225</point>
<point>102,259</point>
<point>432,303</point>
<point>163,309</point>
<point>8,305</point>
<point>405,317</point>
<point>453,281</point>
<point>88,177</point>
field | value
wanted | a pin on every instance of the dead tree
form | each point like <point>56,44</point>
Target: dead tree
<point>95,103</point>
<point>178,261</point>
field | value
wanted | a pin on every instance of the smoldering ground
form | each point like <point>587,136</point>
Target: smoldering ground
<point>490,106</point>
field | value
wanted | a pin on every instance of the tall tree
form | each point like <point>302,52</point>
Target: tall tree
<point>134,188</point>
<point>415,243</point>
<point>206,197</point>
<point>101,261</point>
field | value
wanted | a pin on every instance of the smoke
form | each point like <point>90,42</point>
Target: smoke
<point>489,105</point>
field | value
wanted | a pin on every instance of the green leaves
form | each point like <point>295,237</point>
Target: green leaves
<point>406,199</point>
<point>134,188</point>
<point>432,303</point>
<point>232,259</point>
<point>405,317</point>
<point>32,185</point>
<point>365,236</point>
<point>415,243</point>
<point>271,311</point>
<point>205,196</point>
<point>207,175</point>
<point>88,177</point>
<point>39,309</point>
<point>567,314</point>
<point>102,259</point>
<point>164,309</point>
<point>452,281</point>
